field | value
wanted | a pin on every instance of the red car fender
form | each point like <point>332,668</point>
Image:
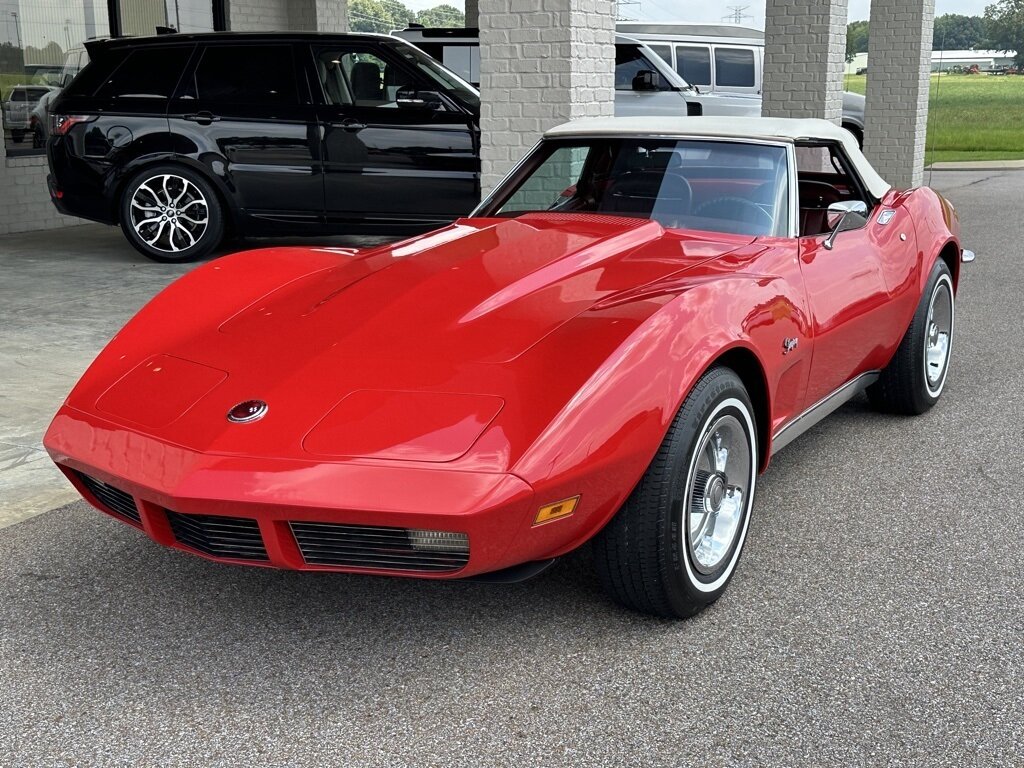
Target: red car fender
<point>601,443</point>
<point>938,232</point>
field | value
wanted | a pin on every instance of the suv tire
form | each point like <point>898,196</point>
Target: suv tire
<point>171,214</point>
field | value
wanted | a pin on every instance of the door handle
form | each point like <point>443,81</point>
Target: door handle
<point>352,125</point>
<point>202,118</point>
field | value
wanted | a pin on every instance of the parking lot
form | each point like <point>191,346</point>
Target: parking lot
<point>876,617</point>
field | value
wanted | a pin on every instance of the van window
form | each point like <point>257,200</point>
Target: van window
<point>246,74</point>
<point>734,67</point>
<point>693,63</point>
<point>664,51</point>
<point>147,73</point>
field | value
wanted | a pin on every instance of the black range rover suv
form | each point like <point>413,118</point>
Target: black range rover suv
<point>180,138</point>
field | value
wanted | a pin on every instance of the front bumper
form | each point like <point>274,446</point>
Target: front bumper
<point>298,515</point>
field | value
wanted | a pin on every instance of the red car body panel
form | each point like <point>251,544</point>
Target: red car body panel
<point>461,380</point>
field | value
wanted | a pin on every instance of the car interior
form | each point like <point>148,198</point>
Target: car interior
<point>358,79</point>
<point>823,178</point>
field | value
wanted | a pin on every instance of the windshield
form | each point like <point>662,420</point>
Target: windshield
<point>713,185</point>
<point>449,82</point>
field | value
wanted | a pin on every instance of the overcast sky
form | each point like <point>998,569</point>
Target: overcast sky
<point>701,10</point>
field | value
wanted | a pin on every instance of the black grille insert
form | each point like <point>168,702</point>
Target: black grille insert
<point>389,549</point>
<point>114,499</point>
<point>237,538</point>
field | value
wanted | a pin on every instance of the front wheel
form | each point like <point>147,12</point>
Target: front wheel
<point>673,547</point>
<point>171,214</point>
<point>915,377</point>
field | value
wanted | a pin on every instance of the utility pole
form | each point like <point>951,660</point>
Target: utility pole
<point>736,14</point>
<point>17,29</point>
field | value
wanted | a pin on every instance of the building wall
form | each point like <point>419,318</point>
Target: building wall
<point>24,200</point>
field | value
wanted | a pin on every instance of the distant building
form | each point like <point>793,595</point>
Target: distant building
<point>943,61</point>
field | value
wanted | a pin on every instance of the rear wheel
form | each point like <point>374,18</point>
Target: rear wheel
<point>915,377</point>
<point>171,214</point>
<point>673,547</point>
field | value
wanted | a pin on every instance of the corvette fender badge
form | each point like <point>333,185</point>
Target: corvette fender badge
<point>885,217</point>
<point>788,345</point>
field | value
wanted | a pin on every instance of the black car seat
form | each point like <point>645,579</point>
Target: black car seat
<point>366,83</point>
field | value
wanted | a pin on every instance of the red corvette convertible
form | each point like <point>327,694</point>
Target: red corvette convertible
<point>610,349</point>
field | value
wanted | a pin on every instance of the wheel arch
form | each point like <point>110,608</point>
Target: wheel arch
<point>745,363</point>
<point>152,161</point>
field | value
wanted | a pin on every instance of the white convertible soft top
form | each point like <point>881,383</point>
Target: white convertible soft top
<point>771,128</point>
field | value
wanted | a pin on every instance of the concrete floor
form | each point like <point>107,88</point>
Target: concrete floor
<point>875,620</point>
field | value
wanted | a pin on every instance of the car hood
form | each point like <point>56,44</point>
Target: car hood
<point>405,352</point>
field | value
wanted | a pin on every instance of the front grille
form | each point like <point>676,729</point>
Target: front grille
<point>237,538</point>
<point>388,549</point>
<point>114,499</point>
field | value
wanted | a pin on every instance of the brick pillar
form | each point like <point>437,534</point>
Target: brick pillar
<point>542,62</point>
<point>804,58</point>
<point>472,13</point>
<point>318,15</point>
<point>288,15</point>
<point>899,75</point>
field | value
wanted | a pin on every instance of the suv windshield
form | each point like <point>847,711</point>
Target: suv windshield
<point>437,73</point>
<point>714,185</point>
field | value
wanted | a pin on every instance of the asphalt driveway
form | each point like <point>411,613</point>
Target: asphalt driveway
<point>876,617</point>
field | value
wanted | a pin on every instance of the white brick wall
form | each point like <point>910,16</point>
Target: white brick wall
<point>896,111</point>
<point>288,15</point>
<point>542,62</point>
<point>804,58</point>
<point>24,200</point>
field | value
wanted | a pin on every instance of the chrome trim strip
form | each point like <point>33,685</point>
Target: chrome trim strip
<point>827,405</point>
<point>967,256</point>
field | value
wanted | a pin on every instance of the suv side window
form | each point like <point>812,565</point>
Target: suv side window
<point>734,67</point>
<point>245,74</point>
<point>147,73</point>
<point>359,78</point>
<point>693,63</point>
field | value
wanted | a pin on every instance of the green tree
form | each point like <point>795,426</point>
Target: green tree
<point>954,32</point>
<point>441,16</point>
<point>1004,28</point>
<point>856,39</point>
<point>378,15</point>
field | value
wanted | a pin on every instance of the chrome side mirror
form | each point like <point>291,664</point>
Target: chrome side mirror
<point>843,216</point>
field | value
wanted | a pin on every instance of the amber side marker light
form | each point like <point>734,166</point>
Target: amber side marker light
<point>556,511</point>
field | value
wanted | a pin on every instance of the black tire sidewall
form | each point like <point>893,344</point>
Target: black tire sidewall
<point>687,586</point>
<point>210,239</point>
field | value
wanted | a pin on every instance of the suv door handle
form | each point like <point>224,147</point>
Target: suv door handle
<point>352,125</point>
<point>203,118</point>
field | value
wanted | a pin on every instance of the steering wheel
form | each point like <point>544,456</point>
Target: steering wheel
<point>725,208</point>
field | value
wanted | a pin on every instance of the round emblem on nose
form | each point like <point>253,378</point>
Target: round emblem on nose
<point>249,410</point>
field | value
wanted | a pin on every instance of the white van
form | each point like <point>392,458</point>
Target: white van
<point>722,59</point>
<point>645,85</point>
<point>727,68</point>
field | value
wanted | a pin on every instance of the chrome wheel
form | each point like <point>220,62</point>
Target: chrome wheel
<point>718,493</point>
<point>938,336</point>
<point>169,213</point>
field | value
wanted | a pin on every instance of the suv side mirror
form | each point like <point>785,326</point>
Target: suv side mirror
<point>410,98</point>
<point>843,216</point>
<point>646,80</point>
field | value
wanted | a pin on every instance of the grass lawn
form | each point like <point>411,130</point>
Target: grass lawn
<point>971,117</point>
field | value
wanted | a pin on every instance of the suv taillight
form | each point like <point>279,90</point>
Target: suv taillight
<point>61,124</point>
